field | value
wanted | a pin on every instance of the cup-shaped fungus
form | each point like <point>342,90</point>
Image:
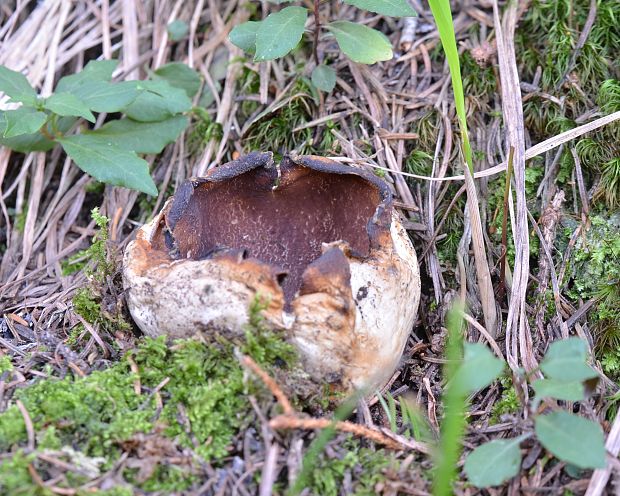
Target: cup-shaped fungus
<point>319,241</point>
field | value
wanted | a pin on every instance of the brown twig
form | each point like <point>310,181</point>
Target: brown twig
<point>288,422</point>
<point>28,424</point>
<point>277,392</point>
<point>292,420</point>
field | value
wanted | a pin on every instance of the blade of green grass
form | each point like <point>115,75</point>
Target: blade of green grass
<point>443,17</point>
<point>455,405</point>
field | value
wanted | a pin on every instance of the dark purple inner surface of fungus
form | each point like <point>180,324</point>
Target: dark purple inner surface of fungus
<point>284,227</point>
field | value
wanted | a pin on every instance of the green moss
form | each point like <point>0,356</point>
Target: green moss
<point>609,187</point>
<point>610,361</point>
<point>75,333</point>
<point>97,413</point>
<point>168,479</point>
<point>274,130</point>
<point>478,82</point>
<point>507,404</point>
<point>419,162</point>
<point>365,466</point>
<point>6,365</point>
<point>609,95</point>
<point>596,265</point>
<point>15,478</point>
<point>95,256</point>
<point>546,40</point>
<point>262,344</point>
<point>84,304</point>
<point>203,130</point>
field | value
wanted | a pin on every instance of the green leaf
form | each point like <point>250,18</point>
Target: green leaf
<point>101,96</point>
<point>572,439</point>
<point>395,8</point>
<point>244,35</point>
<point>108,163</point>
<point>159,102</point>
<point>324,77</point>
<point>566,361</point>
<point>177,30</point>
<point>361,43</point>
<point>15,85</point>
<point>142,137</point>
<point>479,368</point>
<point>180,76</point>
<point>68,104</point>
<point>26,143</point>
<point>280,32</point>
<point>35,142</point>
<point>95,70</point>
<point>553,388</point>
<point>494,462</point>
<point>24,120</point>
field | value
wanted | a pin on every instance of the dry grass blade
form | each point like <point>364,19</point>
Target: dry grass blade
<point>517,334</point>
<point>600,477</point>
<point>533,151</point>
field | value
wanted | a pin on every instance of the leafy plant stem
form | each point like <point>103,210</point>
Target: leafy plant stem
<point>45,132</point>
<point>54,125</point>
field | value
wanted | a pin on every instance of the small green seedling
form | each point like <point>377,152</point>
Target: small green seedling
<point>280,32</point>
<point>571,438</point>
<point>153,117</point>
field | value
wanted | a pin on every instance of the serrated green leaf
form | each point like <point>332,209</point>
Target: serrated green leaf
<point>361,43</point>
<point>394,8</point>
<point>108,163</point>
<point>177,30</point>
<point>95,70</point>
<point>180,76</point>
<point>142,137</point>
<point>15,85</point>
<point>24,120</point>
<point>494,462</point>
<point>35,142</point>
<point>244,35</point>
<point>101,96</point>
<point>566,361</point>
<point>158,102</point>
<point>280,32</point>
<point>479,368</point>
<point>553,388</point>
<point>68,104</point>
<point>572,439</point>
<point>324,77</point>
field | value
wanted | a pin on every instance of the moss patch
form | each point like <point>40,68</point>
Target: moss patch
<point>192,393</point>
<point>364,466</point>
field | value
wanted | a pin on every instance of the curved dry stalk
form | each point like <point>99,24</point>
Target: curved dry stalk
<point>517,332</point>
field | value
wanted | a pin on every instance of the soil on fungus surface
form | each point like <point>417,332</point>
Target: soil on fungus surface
<point>90,406</point>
